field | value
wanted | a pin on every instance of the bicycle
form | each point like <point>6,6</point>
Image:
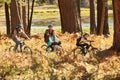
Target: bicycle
<point>57,48</point>
<point>79,51</point>
<point>25,49</point>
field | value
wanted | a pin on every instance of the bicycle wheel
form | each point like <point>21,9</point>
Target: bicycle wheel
<point>48,49</point>
<point>27,50</point>
<point>77,53</point>
<point>59,50</point>
<point>44,47</point>
<point>11,49</point>
<point>94,51</point>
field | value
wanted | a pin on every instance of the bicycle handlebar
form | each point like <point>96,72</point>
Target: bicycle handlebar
<point>90,41</point>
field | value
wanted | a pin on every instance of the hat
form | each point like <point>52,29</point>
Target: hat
<point>50,25</point>
<point>85,34</point>
<point>19,25</point>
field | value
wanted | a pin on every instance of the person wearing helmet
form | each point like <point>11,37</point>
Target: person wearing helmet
<point>83,42</point>
<point>16,35</point>
<point>50,38</point>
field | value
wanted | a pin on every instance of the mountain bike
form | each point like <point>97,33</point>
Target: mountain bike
<point>79,50</point>
<point>57,48</point>
<point>25,49</point>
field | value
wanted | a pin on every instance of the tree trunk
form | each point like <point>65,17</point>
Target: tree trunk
<point>28,11</point>
<point>116,9</point>
<point>70,16</point>
<point>102,17</point>
<point>106,26</point>
<point>15,18</point>
<point>92,17</point>
<point>7,19</point>
<point>24,18</point>
<point>30,21</point>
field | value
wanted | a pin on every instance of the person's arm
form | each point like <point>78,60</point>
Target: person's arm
<point>25,35</point>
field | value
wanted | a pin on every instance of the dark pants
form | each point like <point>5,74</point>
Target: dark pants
<point>53,45</point>
<point>84,47</point>
<point>17,43</point>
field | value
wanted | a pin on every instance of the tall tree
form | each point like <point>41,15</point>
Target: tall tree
<point>92,17</point>
<point>7,18</point>
<point>70,15</point>
<point>15,17</point>
<point>116,9</point>
<point>28,11</point>
<point>30,21</point>
<point>102,22</point>
<point>24,17</point>
<point>106,26</point>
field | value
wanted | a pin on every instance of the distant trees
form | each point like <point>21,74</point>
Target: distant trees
<point>45,1</point>
<point>85,3</point>
<point>116,9</point>
<point>51,1</point>
<point>18,13</point>
<point>70,15</point>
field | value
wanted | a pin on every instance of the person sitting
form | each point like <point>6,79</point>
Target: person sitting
<point>16,36</point>
<point>50,38</point>
<point>83,42</point>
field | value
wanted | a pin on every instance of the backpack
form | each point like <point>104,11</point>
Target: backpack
<point>47,34</point>
<point>78,40</point>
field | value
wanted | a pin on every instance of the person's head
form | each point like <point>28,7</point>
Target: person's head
<point>50,26</point>
<point>19,27</point>
<point>85,35</point>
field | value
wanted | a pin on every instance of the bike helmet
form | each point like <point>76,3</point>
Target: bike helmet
<point>85,34</point>
<point>19,25</point>
<point>50,25</point>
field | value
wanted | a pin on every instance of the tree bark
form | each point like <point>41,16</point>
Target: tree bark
<point>70,15</point>
<point>7,19</point>
<point>30,21</point>
<point>106,26</point>
<point>92,17</point>
<point>102,17</point>
<point>24,16</point>
<point>15,18</point>
<point>28,11</point>
<point>116,10</point>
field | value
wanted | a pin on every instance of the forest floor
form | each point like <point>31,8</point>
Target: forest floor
<point>50,66</point>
